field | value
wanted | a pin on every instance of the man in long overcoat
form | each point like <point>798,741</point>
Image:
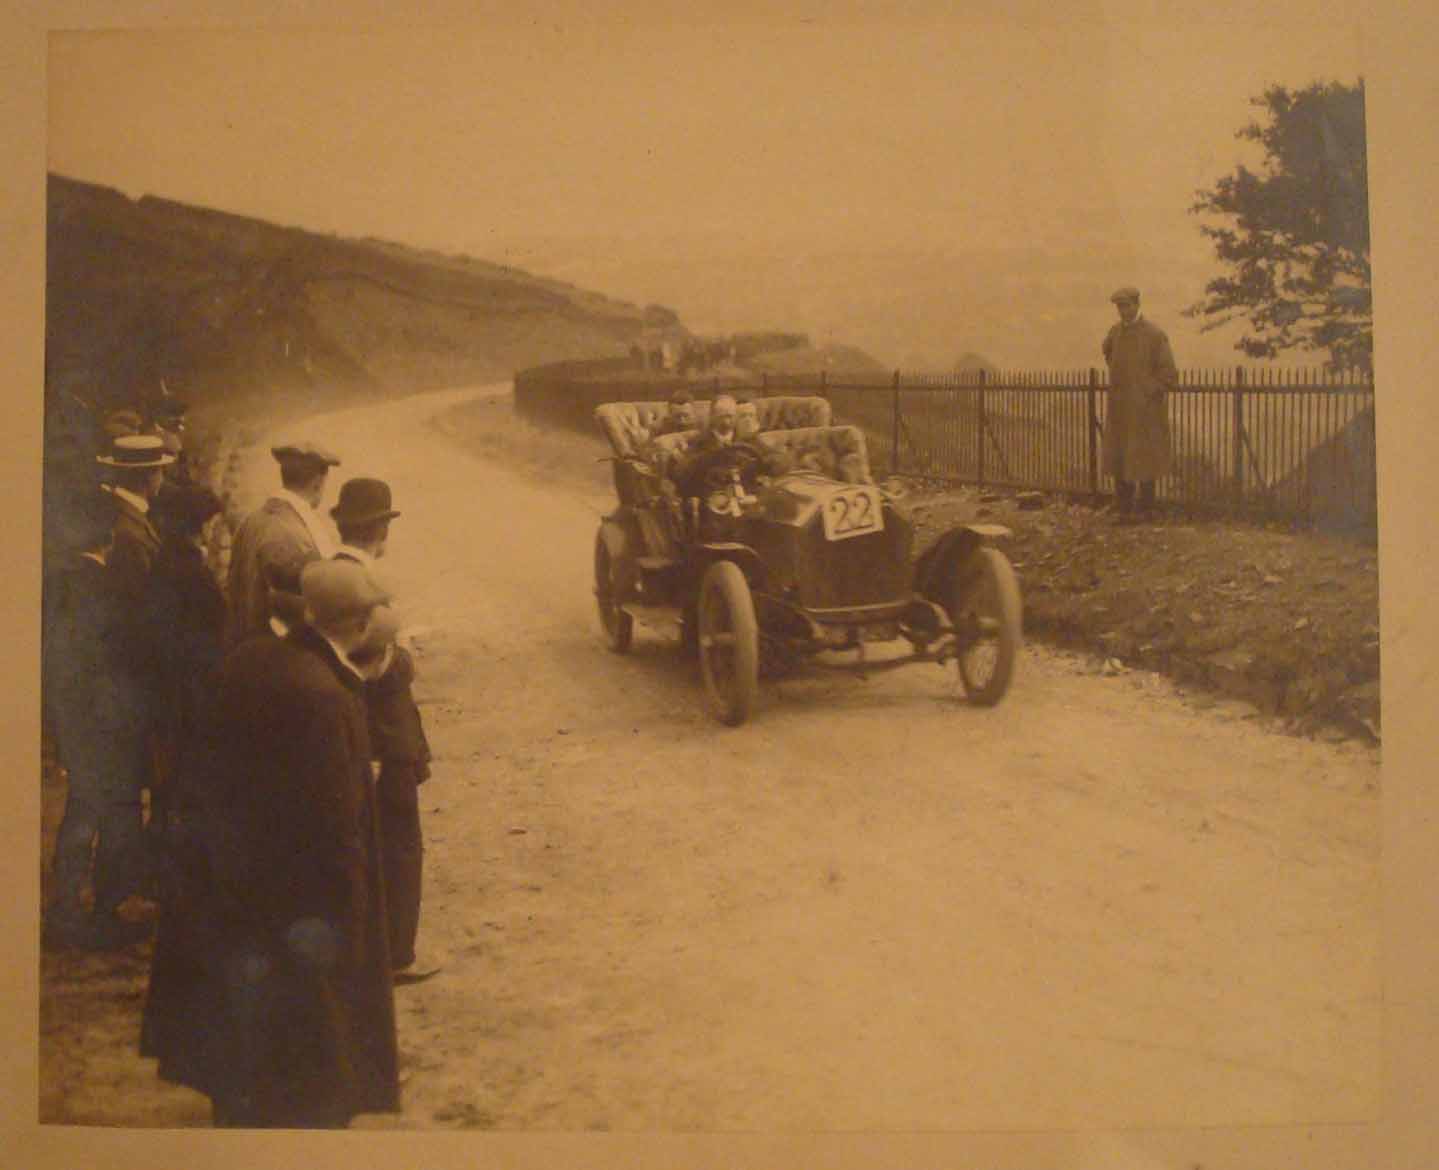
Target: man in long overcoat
<point>276,541</point>
<point>136,464</point>
<point>96,709</point>
<point>270,989</point>
<point>397,734</point>
<point>1136,427</point>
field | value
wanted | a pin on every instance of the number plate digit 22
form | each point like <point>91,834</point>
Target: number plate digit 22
<point>852,513</point>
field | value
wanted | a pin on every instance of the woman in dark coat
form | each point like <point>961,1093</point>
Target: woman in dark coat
<point>271,988</point>
<point>187,614</point>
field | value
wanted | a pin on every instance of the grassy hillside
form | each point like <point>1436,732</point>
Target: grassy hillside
<point>222,307</point>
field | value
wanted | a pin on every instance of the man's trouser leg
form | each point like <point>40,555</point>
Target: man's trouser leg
<point>1146,495</point>
<point>1124,490</point>
<point>75,840</point>
<point>401,857</point>
<point>121,858</point>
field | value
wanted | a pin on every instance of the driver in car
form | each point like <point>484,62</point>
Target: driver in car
<point>720,432</point>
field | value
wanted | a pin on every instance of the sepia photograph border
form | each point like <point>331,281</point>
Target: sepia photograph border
<point>1399,49</point>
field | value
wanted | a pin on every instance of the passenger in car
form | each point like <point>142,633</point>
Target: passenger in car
<point>679,417</point>
<point>746,424</point>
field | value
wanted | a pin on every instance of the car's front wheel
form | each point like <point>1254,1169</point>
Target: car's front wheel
<point>987,617</point>
<point>728,642</point>
<point>619,627</point>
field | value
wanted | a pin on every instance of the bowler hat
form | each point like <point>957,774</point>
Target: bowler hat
<point>363,501</point>
<point>306,452</point>
<point>339,589</point>
<point>137,451</point>
<point>1127,293</point>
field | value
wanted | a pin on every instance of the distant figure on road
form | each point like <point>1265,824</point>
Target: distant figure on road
<point>1136,429</point>
<point>276,541</point>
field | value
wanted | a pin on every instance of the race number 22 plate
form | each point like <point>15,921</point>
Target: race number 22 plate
<point>855,511</point>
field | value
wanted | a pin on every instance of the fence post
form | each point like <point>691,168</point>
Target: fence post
<point>979,428</point>
<point>1092,396</point>
<point>894,428</point>
<point>1238,438</point>
<point>764,382</point>
<point>824,383</point>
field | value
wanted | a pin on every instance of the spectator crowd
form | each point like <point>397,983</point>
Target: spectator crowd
<point>242,761</point>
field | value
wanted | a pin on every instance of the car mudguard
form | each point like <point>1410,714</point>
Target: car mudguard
<point>749,561</point>
<point>941,560</point>
<point>621,539</point>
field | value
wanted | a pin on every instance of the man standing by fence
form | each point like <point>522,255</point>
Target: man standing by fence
<point>1136,428</point>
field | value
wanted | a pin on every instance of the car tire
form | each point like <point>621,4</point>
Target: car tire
<point>728,642</point>
<point>618,626</point>
<point>987,604</point>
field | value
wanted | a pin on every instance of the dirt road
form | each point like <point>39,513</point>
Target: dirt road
<point>873,907</point>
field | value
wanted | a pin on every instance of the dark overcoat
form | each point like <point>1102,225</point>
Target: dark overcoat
<point>271,988</point>
<point>187,618</point>
<point>1136,425</point>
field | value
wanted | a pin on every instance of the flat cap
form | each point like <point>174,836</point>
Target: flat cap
<point>336,590</point>
<point>1127,293</point>
<point>306,450</point>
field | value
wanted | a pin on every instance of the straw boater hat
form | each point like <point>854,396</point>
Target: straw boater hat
<point>1127,293</point>
<point>363,501</point>
<point>137,452</point>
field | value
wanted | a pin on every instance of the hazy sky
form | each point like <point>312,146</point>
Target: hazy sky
<point>918,188</point>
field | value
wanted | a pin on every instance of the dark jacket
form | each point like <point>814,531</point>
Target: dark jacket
<point>90,689</point>
<point>271,979</point>
<point>187,612</point>
<point>136,542</point>
<point>187,629</point>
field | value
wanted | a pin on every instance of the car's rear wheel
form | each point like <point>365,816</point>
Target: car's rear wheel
<point>618,626</point>
<point>987,616</point>
<point>728,642</point>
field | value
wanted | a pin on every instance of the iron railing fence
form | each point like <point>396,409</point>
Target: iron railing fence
<point>1294,444</point>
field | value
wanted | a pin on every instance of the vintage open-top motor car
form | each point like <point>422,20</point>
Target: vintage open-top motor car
<point>782,549</point>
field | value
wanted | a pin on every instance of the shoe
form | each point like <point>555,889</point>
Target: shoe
<point>416,972</point>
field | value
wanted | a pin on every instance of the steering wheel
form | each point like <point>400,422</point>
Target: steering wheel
<point>711,470</point>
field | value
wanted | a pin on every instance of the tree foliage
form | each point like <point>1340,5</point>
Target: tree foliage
<point>1296,243</point>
